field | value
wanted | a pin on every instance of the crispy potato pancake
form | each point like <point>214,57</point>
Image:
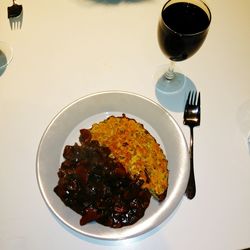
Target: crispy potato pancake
<point>133,146</point>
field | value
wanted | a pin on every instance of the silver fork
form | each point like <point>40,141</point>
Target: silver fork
<point>192,118</point>
<point>15,15</point>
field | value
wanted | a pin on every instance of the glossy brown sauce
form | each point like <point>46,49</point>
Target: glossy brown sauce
<point>97,187</point>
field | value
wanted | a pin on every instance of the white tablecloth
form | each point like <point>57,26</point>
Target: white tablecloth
<point>67,49</point>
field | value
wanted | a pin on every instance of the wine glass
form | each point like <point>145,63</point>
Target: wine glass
<point>6,54</point>
<point>182,29</point>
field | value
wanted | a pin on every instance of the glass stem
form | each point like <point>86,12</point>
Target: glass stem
<point>170,73</point>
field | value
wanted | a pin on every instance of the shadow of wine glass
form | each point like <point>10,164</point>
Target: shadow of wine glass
<point>175,101</point>
<point>3,62</point>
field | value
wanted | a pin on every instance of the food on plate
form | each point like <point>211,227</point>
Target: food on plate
<point>97,187</point>
<point>110,175</point>
<point>133,146</point>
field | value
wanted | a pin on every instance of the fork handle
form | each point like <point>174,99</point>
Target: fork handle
<point>191,188</point>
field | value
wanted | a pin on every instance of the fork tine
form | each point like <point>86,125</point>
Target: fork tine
<point>10,23</point>
<point>188,99</point>
<point>16,22</point>
<point>199,100</point>
<point>191,97</point>
<point>194,98</point>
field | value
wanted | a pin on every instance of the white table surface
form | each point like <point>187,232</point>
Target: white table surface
<point>67,49</point>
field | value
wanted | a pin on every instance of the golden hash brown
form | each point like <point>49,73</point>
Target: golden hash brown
<point>133,146</point>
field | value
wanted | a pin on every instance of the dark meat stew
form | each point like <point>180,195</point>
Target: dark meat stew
<point>97,187</point>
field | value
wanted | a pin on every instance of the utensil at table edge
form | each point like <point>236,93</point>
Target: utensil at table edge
<point>191,118</point>
<point>15,15</point>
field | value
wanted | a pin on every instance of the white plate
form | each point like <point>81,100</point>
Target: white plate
<point>64,129</point>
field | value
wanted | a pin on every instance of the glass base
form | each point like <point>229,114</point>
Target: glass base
<point>171,86</point>
<point>172,94</point>
<point>6,54</point>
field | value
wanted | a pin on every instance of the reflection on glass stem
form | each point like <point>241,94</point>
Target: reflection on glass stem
<point>170,72</point>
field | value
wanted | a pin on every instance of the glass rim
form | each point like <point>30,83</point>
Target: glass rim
<point>209,14</point>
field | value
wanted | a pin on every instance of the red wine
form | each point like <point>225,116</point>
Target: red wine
<point>182,30</point>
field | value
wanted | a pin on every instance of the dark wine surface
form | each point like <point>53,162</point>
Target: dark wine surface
<point>182,30</point>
